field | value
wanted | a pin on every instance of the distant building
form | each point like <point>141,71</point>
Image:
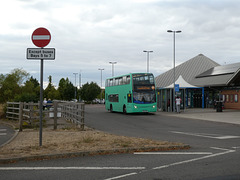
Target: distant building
<point>202,82</point>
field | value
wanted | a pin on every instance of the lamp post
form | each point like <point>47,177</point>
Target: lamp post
<point>174,32</point>
<point>147,59</point>
<point>112,67</point>
<point>75,86</point>
<point>101,69</point>
<point>101,75</point>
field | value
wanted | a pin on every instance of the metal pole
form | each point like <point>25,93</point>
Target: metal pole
<point>80,80</point>
<point>113,67</point>
<point>101,84</point>
<point>174,32</point>
<point>41,104</point>
<point>174,71</point>
<point>75,85</point>
<point>147,59</point>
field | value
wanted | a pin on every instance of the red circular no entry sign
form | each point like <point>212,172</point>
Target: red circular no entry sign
<point>41,37</point>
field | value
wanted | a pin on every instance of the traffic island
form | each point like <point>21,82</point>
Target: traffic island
<point>67,143</point>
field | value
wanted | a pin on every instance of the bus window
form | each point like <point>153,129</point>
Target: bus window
<point>111,82</point>
<point>113,98</point>
<point>120,81</point>
<point>128,80</point>
<point>116,81</point>
<point>124,80</point>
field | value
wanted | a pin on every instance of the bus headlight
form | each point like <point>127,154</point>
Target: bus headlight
<point>154,107</point>
<point>135,106</point>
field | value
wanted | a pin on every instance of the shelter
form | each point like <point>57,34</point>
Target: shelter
<point>190,93</point>
<point>201,82</point>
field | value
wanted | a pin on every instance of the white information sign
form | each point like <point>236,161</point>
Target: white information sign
<point>41,53</point>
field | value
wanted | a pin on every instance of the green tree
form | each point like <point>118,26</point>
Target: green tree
<point>10,85</point>
<point>30,91</point>
<point>66,89</point>
<point>50,92</point>
<point>89,92</point>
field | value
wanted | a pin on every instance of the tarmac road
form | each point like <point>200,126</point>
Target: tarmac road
<point>6,134</point>
<point>214,153</point>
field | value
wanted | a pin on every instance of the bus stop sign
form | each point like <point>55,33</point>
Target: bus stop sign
<point>41,37</point>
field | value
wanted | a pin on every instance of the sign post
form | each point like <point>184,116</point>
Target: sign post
<point>41,38</point>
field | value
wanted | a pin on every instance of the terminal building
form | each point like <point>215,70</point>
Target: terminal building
<point>201,83</point>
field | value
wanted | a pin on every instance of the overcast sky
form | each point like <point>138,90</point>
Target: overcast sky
<point>87,34</point>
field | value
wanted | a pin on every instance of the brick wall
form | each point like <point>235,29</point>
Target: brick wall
<point>231,99</point>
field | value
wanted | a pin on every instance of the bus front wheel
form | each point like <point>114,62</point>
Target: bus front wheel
<point>111,109</point>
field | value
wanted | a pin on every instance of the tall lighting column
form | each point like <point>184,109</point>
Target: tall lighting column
<point>75,85</point>
<point>174,32</point>
<point>112,67</point>
<point>101,69</point>
<point>147,59</point>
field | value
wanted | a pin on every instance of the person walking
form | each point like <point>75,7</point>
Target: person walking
<point>178,103</point>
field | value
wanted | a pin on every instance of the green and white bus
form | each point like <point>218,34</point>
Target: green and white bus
<point>131,93</point>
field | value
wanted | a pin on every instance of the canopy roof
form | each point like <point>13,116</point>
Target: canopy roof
<point>182,83</point>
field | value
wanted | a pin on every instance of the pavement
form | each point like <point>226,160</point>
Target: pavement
<point>208,114</point>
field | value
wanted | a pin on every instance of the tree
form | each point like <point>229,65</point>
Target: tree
<point>30,91</point>
<point>50,92</point>
<point>66,89</point>
<point>10,85</point>
<point>89,92</point>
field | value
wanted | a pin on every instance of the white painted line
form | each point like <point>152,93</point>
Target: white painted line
<point>212,136</point>
<point>236,147</point>
<point>172,153</point>
<point>196,159</point>
<point>1,130</point>
<point>223,149</point>
<point>122,176</point>
<point>41,37</point>
<point>3,134</point>
<point>227,137</point>
<point>70,168</point>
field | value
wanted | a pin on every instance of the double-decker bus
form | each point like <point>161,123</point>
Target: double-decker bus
<point>131,93</point>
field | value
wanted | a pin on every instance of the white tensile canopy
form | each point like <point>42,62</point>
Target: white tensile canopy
<point>182,83</point>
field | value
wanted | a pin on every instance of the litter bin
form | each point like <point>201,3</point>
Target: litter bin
<point>219,106</point>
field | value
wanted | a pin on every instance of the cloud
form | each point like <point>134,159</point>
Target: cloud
<point>87,34</point>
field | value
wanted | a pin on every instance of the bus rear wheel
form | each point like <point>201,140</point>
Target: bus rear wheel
<point>111,109</point>
<point>124,110</point>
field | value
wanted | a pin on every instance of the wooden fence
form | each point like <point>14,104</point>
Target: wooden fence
<point>28,113</point>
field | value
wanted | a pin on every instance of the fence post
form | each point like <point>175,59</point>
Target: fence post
<point>20,116</point>
<point>55,106</point>
<point>82,116</point>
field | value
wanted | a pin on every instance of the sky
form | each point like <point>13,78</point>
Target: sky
<point>88,34</point>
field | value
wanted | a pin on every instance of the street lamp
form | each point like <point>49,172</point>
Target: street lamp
<point>112,67</point>
<point>147,59</point>
<point>101,75</point>
<point>174,32</point>
<point>101,84</point>
<point>75,85</point>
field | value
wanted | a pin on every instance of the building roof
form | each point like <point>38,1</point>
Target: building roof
<point>225,75</point>
<point>189,70</point>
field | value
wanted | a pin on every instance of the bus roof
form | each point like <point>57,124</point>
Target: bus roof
<point>128,74</point>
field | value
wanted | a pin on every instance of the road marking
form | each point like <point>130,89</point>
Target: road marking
<point>122,176</point>
<point>3,134</point>
<point>70,168</point>
<point>3,130</point>
<point>197,159</point>
<point>172,153</point>
<point>213,136</point>
<point>236,147</point>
